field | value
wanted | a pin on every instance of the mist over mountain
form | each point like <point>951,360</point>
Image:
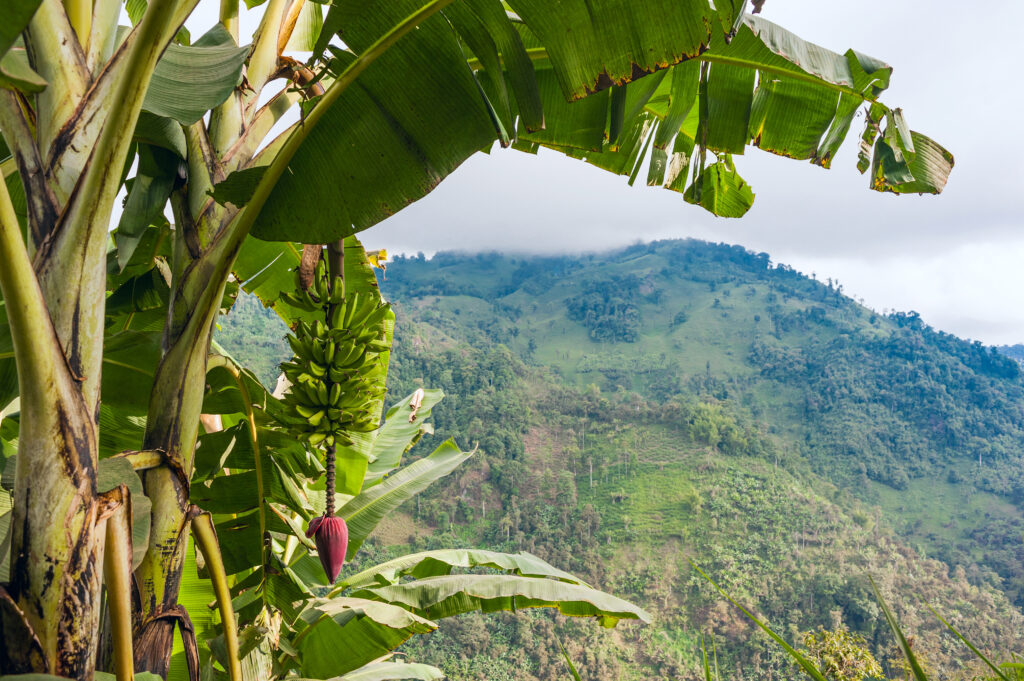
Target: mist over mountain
<point>680,400</point>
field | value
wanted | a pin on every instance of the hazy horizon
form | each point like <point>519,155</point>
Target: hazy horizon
<point>819,275</point>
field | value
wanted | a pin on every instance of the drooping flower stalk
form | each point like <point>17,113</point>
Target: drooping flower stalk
<point>329,531</point>
<point>332,393</point>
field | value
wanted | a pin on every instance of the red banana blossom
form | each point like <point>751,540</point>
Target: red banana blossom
<point>331,536</point>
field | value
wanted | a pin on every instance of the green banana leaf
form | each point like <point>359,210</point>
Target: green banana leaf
<point>8,368</point>
<point>368,508</point>
<point>147,196</point>
<point>161,132</point>
<point>196,595</point>
<point>129,362</point>
<point>364,629</point>
<point>15,72</point>
<point>721,190</point>
<point>593,44</point>
<point>17,15</point>
<point>307,29</point>
<point>267,269</point>
<point>769,88</point>
<point>373,455</point>
<point>191,80</point>
<point>6,509</point>
<point>382,671</point>
<point>449,595</point>
<point>408,121</point>
<point>119,432</point>
<point>593,75</point>
<point>398,435</point>
<point>442,562</point>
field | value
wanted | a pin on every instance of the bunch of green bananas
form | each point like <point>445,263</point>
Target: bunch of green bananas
<point>332,391</point>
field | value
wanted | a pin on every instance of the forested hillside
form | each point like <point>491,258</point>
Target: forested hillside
<point>687,401</point>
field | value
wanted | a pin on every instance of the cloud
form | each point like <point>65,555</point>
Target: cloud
<point>954,81</point>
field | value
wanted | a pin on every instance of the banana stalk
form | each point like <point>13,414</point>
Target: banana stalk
<point>206,539</point>
<point>117,571</point>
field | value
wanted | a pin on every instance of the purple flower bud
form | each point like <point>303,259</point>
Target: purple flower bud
<point>331,536</point>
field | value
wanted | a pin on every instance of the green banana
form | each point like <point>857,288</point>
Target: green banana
<point>335,359</point>
<point>350,310</point>
<point>317,346</point>
<point>337,314</point>
<point>337,291</point>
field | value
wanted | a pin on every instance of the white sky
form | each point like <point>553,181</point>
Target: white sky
<point>956,258</point>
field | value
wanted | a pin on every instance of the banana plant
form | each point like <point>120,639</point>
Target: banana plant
<point>395,96</point>
<point>269,472</point>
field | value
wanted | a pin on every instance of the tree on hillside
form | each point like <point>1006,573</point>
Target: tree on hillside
<point>105,334</point>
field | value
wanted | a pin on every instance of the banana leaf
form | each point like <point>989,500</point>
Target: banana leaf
<point>398,435</point>
<point>382,671</point>
<point>191,80</point>
<point>368,508</point>
<point>445,596</point>
<point>765,86</point>
<point>364,629</point>
<point>442,562</point>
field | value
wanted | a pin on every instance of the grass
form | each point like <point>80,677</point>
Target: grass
<point>941,514</point>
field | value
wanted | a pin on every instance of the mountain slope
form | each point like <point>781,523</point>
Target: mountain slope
<point>876,404</point>
<point>682,400</point>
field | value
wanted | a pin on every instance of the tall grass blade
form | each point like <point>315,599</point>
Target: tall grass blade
<point>970,645</point>
<point>704,654</point>
<point>572,668</point>
<point>904,644</point>
<point>802,660</point>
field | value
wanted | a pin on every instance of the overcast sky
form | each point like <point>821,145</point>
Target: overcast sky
<point>955,258</point>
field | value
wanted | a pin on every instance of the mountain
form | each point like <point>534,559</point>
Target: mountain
<point>1012,351</point>
<point>683,401</point>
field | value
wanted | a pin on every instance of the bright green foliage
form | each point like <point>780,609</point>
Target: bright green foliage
<point>456,594</point>
<point>632,86</point>
<point>375,502</point>
<point>439,563</point>
<point>841,656</point>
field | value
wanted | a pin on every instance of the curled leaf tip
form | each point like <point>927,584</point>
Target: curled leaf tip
<point>313,524</point>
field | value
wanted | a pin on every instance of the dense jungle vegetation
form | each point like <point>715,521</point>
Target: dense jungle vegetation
<point>689,401</point>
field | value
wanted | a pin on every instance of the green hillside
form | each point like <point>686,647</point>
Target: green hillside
<point>686,401</point>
